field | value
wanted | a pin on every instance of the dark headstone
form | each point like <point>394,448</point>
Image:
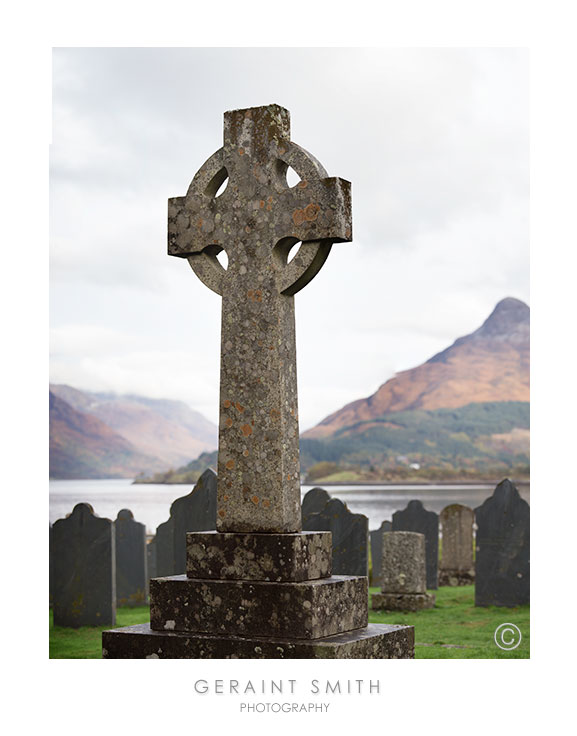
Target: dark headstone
<point>151,559</point>
<point>377,550</point>
<point>502,547</point>
<point>195,512</point>
<point>415,518</point>
<point>131,563</point>
<point>350,536</point>
<point>314,501</point>
<point>84,569</point>
<point>457,566</point>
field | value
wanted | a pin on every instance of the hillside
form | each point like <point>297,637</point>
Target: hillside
<point>82,446</point>
<point>489,365</point>
<point>168,431</point>
<point>486,439</point>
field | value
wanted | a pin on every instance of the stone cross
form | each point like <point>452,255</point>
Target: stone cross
<point>256,220</point>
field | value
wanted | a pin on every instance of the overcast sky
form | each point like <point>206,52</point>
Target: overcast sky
<point>434,141</point>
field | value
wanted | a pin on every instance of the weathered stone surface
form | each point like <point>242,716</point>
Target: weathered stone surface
<point>376,537</point>
<point>403,569</point>
<point>256,220</point>
<point>402,601</point>
<point>131,567</point>
<point>457,566</point>
<point>350,534</point>
<point>376,641</point>
<point>84,569</point>
<point>502,547</point>
<point>307,610</point>
<point>266,557</point>
<point>415,518</point>
<point>194,512</point>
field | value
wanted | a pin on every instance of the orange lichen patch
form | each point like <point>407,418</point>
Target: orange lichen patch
<point>261,203</point>
<point>230,464</point>
<point>275,413</point>
<point>266,503</point>
<point>225,497</point>
<point>199,224</point>
<point>298,217</point>
<point>245,453</point>
<point>229,484</point>
<point>348,232</point>
<point>255,295</point>
<point>221,513</point>
<point>228,422</point>
<point>254,499</point>
<point>311,212</point>
<point>239,407</point>
<point>226,404</point>
<point>246,429</point>
<point>303,183</point>
<point>241,151</point>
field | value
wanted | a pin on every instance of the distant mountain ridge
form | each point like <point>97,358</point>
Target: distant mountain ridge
<point>489,365</point>
<point>82,446</point>
<point>151,435</point>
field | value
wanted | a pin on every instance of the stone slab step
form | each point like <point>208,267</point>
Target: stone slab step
<point>306,610</point>
<point>268,557</point>
<point>375,641</point>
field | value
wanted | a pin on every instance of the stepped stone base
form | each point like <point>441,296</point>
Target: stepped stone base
<point>376,641</point>
<point>402,601</point>
<point>307,610</point>
<point>454,578</point>
<point>268,557</point>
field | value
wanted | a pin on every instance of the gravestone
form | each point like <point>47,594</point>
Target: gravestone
<point>350,536</point>
<point>415,518</point>
<point>314,501</point>
<point>457,566</point>
<point>403,574</point>
<point>84,569</point>
<point>376,537</point>
<point>151,560</point>
<point>131,567</point>
<point>193,512</point>
<point>502,549</point>
<point>259,587</point>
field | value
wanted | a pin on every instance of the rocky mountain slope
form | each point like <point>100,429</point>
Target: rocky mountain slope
<point>489,365</point>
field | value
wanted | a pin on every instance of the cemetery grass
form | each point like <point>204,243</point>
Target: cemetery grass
<point>86,641</point>
<point>456,629</point>
<point>455,621</point>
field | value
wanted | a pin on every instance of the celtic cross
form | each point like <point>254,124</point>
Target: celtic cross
<point>256,220</point>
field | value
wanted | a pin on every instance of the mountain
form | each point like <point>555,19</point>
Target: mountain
<point>489,365</point>
<point>82,446</point>
<point>169,432</point>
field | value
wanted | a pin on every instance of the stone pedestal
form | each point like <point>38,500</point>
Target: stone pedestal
<point>263,596</point>
<point>403,574</point>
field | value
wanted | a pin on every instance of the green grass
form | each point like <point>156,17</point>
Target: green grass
<point>86,642</point>
<point>455,621</point>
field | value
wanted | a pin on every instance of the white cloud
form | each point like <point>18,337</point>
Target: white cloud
<point>435,142</point>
